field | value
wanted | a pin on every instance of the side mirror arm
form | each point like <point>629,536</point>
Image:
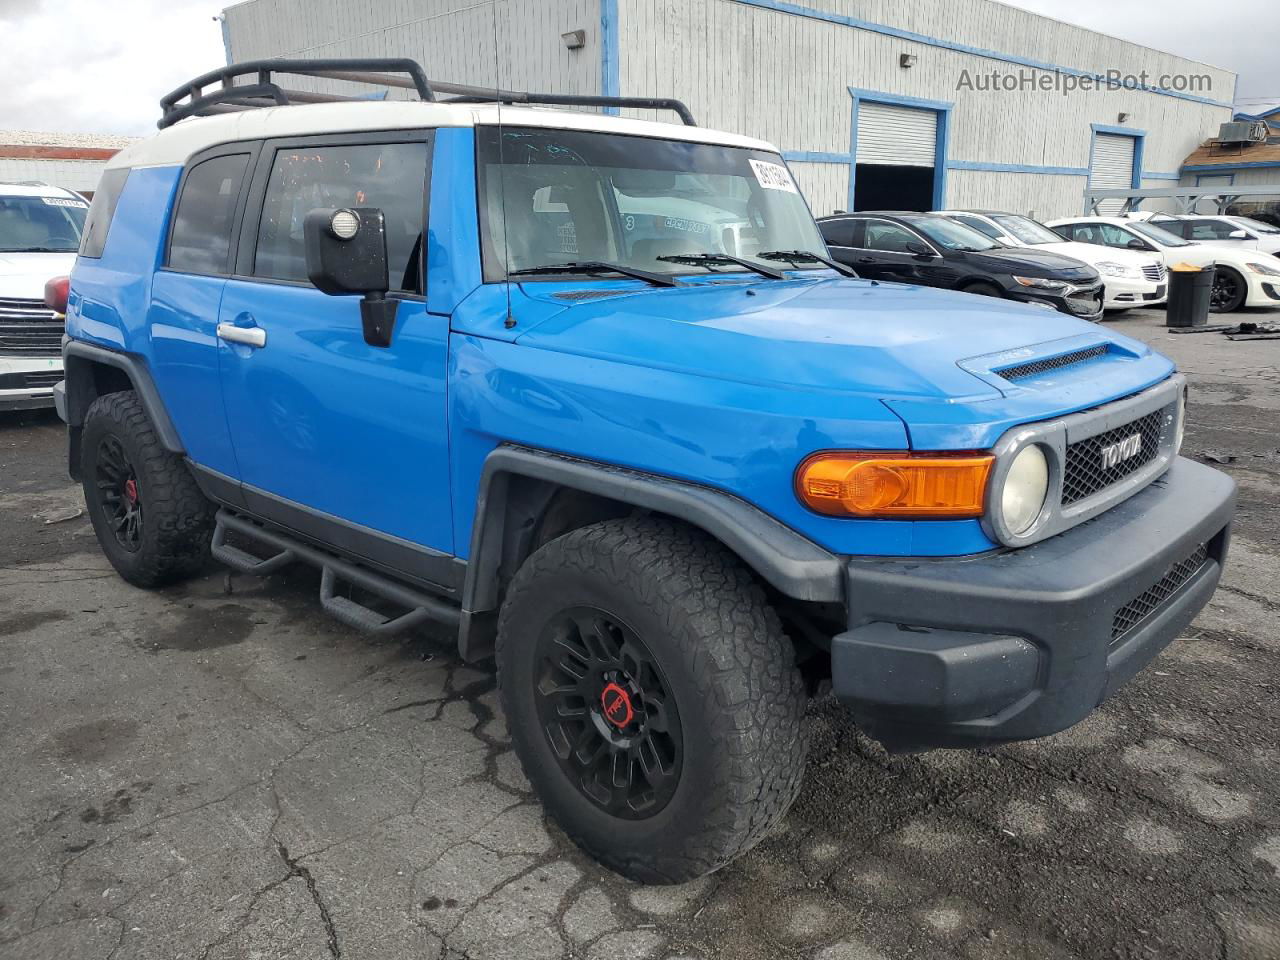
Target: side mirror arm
<point>378,317</point>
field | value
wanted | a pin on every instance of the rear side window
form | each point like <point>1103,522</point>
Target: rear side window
<point>102,211</point>
<point>201,239</point>
<point>390,176</point>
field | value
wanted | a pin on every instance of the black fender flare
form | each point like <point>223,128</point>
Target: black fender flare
<point>794,565</point>
<point>78,359</point>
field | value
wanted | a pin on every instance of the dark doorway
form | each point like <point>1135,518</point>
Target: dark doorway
<point>885,187</point>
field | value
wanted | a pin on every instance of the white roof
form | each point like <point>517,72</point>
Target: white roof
<point>34,190</point>
<point>175,144</point>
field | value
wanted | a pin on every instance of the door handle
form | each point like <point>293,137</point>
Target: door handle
<point>866,260</point>
<point>249,336</point>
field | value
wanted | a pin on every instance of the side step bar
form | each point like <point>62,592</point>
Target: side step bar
<point>421,608</point>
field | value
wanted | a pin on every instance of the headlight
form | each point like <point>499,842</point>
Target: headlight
<point>1025,488</point>
<point>1041,282</point>
<point>1109,269</point>
<point>1263,268</point>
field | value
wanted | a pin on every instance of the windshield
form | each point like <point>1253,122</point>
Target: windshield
<point>1158,234</point>
<point>552,197</point>
<point>1256,225</point>
<point>41,224</point>
<point>949,234</point>
<point>1027,230</point>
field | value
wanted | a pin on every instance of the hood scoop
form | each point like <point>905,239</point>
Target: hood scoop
<point>1034,368</point>
<point>577,295</point>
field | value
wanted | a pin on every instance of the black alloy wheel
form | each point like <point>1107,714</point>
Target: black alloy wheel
<point>608,713</point>
<point>117,486</point>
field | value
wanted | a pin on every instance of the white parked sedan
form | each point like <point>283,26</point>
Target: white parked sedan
<point>1232,231</point>
<point>1243,277</point>
<point>1130,279</point>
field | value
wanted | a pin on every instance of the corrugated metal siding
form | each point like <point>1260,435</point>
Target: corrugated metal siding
<point>824,185</point>
<point>508,43</point>
<point>71,174</point>
<point>785,78</point>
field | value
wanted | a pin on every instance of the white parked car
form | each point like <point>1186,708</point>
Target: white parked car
<point>40,229</point>
<point>1243,277</point>
<point>1233,231</point>
<point>1130,279</point>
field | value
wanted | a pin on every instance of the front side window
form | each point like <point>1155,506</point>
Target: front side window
<point>951,235</point>
<point>1027,230</point>
<point>201,239</point>
<point>41,224</point>
<point>102,211</point>
<point>1158,235</point>
<point>389,176</point>
<point>1209,230</point>
<point>551,197</point>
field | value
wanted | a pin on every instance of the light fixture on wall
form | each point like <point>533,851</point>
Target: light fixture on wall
<point>907,60</point>
<point>1123,118</point>
<point>574,39</point>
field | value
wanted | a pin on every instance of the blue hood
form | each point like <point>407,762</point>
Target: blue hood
<point>889,341</point>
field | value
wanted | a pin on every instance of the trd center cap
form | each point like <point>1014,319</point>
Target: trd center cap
<point>616,704</point>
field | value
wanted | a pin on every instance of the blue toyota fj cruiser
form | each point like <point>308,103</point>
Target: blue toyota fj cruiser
<point>589,389</point>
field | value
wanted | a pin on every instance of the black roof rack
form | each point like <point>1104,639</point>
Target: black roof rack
<point>191,100</point>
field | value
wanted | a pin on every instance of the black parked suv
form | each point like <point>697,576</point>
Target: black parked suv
<point>934,251</point>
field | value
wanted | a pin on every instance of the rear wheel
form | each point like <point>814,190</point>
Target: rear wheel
<point>652,697</point>
<point>1229,290</point>
<point>152,521</point>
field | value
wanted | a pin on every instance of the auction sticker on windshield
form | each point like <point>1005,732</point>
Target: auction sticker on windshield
<point>63,202</point>
<point>773,176</point>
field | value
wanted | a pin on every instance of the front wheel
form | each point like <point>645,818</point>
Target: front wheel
<point>1229,290</point>
<point>652,697</point>
<point>152,521</point>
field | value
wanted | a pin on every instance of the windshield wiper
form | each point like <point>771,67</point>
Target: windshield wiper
<point>599,266</point>
<point>707,259</point>
<point>808,256</point>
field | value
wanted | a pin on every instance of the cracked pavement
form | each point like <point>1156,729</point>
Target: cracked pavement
<point>219,771</point>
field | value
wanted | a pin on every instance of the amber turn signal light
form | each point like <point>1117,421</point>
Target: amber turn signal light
<point>894,484</point>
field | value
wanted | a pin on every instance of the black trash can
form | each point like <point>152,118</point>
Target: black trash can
<point>1190,290</point>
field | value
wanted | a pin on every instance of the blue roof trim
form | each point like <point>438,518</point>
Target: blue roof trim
<point>899,100</point>
<point>1018,168</point>
<point>1224,167</point>
<point>780,6</point>
<point>226,38</point>
<point>816,156</point>
<point>610,72</point>
<point>1119,131</point>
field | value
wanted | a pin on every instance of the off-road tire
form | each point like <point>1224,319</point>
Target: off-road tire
<point>731,671</point>
<point>176,524</point>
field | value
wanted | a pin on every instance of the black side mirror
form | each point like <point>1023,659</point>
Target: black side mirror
<point>920,251</point>
<point>347,253</point>
<point>1136,244</point>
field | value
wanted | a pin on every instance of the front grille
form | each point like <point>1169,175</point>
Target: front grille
<point>1085,474</point>
<point>1154,272</point>
<point>1137,610</point>
<point>29,329</point>
<point>1037,367</point>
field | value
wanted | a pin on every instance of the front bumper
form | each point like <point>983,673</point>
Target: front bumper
<point>1024,643</point>
<point>26,383</point>
<point>1084,302</point>
<point>1121,293</point>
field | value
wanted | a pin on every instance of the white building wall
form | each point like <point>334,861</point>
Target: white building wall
<point>785,77</point>
<point>76,175</point>
<point>508,43</point>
